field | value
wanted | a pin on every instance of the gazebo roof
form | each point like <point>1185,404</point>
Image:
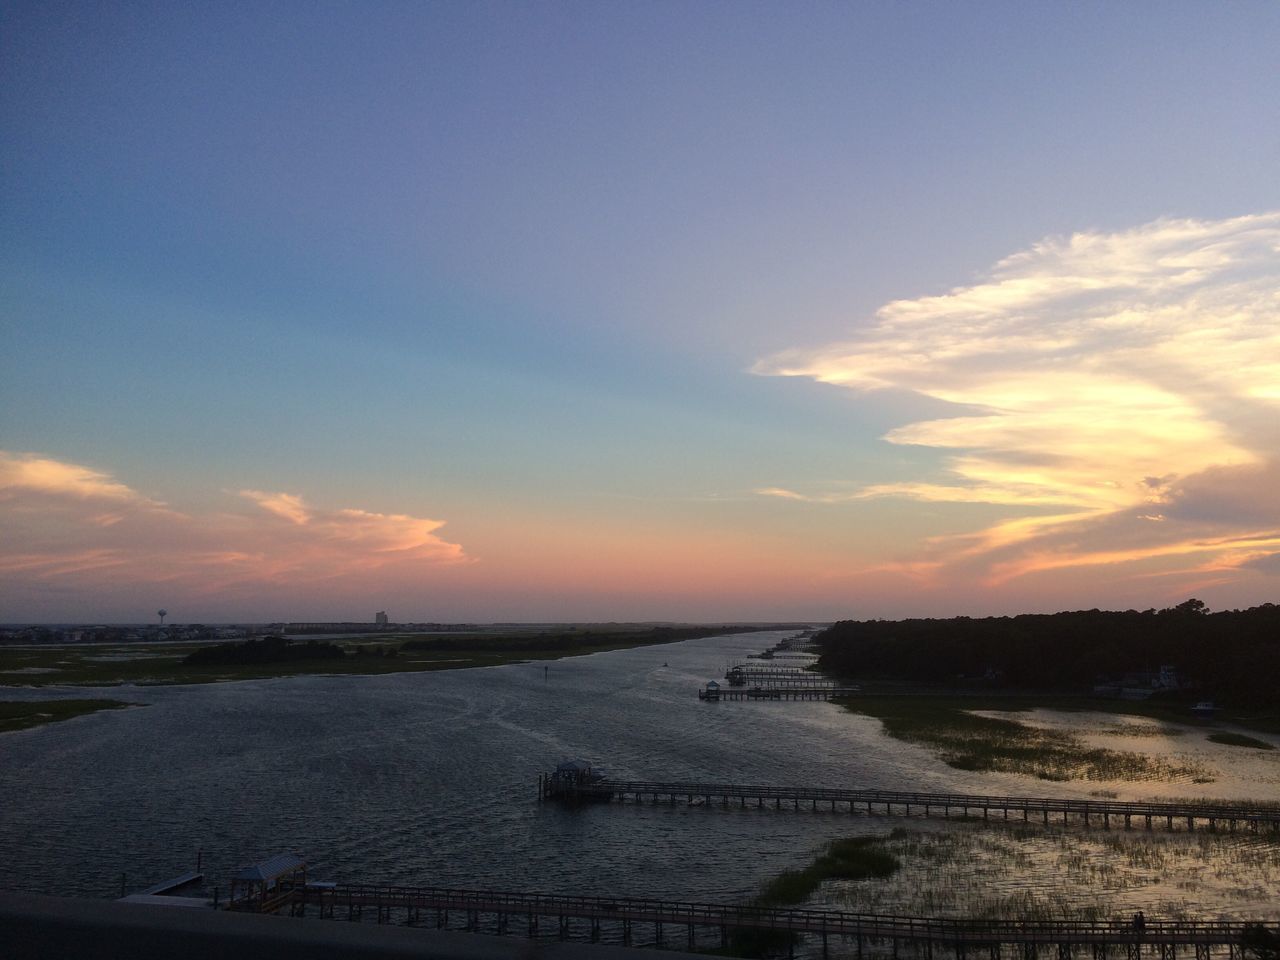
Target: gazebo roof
<point>272,868</point>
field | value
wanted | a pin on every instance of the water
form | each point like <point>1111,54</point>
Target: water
<point>430,778</point>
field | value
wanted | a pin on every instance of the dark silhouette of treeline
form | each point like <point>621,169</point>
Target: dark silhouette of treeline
<point>271,649</point>
<point>572,639</point>
<point>1232,655</point>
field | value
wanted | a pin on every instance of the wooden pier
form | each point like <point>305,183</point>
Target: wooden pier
<point>1100,813</point>
<point>632,919</point>
<point>813,690</point>
<point>776,675</point>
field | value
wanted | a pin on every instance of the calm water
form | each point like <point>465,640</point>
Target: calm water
<point>430,778</point>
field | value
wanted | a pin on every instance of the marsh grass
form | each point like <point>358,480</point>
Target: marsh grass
<point>1029,873</point>
<point>970,741</point>
<point>99,665</point>
<point>852,858</point>
<point>1240,740</point>
<point>22,715</point>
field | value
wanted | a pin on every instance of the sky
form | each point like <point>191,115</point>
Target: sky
<point>609,311</point>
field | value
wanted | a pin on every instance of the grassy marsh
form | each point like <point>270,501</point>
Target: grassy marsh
<point>22,715</point>
<point>1239,740</point>
<point>969,741</point>
<point>1029,873</point>
<point>848,859</point>
<point>98,665</point>
<point>853,858</point>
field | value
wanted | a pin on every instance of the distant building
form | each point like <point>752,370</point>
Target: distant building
<point>380,618</point>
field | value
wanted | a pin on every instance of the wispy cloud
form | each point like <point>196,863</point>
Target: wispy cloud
<point>53,513</point>
<point>28,474</point>
<point>1128,382</point>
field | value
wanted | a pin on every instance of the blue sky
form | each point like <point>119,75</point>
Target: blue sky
<point>525,269</point>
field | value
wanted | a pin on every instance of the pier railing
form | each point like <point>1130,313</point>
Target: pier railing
<point>816,690</point>
<point>898,803</point>
<point>329,899</point>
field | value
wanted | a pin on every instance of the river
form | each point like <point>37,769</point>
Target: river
<point>430,778</point>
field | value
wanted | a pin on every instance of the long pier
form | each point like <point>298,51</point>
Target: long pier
<point>737,677</point>
<point>785,691</point>
<point>507,912</point>
<point>895,803</point>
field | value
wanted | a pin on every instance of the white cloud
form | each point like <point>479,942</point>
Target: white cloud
<point>29,473</point>
<point>1102,374</point>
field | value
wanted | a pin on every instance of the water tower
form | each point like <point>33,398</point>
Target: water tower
<point>163,613</point>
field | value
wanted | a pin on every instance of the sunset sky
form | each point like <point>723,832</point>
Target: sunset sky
<point>637,311</point>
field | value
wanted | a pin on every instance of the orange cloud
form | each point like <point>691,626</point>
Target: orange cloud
<point>1101,376</point>
<point>79,529</point>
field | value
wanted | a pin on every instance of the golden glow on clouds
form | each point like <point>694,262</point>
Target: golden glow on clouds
<point>53,515</point>
<point>1095,375</point>
<point>29,473</point>
<point>284,505</point>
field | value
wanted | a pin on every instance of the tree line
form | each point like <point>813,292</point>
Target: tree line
<point>1231,655</point>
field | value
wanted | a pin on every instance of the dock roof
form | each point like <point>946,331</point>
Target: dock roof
<point>272,868</point>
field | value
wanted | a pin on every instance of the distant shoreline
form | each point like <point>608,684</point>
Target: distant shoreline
<point>112,665</point>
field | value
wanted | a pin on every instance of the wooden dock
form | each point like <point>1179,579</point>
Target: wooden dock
<point>816,690</point>
<point>1101,813</point>
<point>775,676</point>
<point>630,919</point>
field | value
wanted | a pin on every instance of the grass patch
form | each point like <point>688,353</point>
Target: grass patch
<point>23,715</point>
<point>967,741</point>
<point>1240,740</point>
<point>854,858</point>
